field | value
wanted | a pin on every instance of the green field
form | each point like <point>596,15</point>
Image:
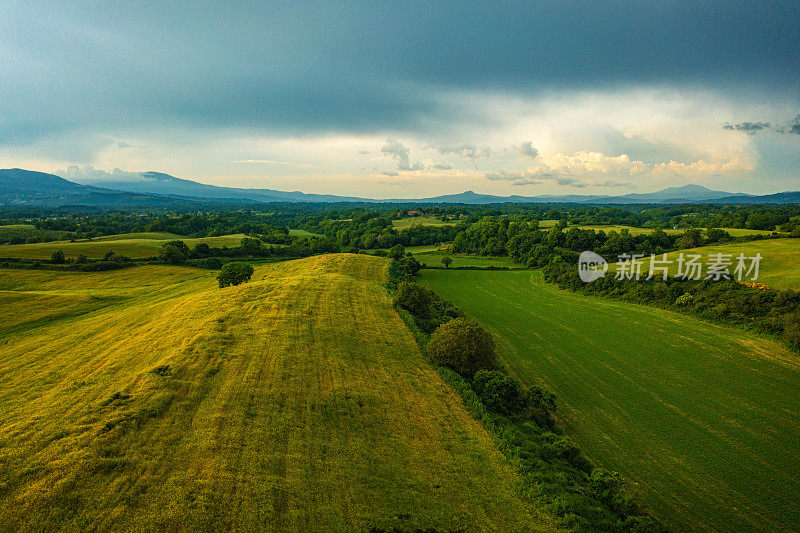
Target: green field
<point>148,399</point>
<point>426,248</point>
<point>461,260</point>
<point>29,231</point>
<point>404,223</point>
<point>779,267</point>
<point>134,245</point>
<point>702,418</point>
<point>303,233</point>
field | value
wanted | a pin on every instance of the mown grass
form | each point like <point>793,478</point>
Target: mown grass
<point>134,245</point>
<point>298,401</point>
<point>779,267</point>
<point>702,418</point>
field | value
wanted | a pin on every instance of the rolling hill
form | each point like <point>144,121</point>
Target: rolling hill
<point>133,245</point>
<point>20,187</point>
<point>701,418</point>
<point>149,399</point>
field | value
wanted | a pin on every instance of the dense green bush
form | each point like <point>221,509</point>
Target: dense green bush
<point>405,268</point>
<point>235,273</point>
<point>499,392</point>
<point>429,311</point>
<point>174,252</point>
<point>463,345</point>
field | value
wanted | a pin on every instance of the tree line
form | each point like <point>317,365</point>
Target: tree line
<point>521,418</point>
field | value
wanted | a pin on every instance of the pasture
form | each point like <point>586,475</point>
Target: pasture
<point>149,399</point>
<point>303,233</point>
<point>133,245</point>
<point>461,260</point>
<point>702,419</point>
<point>779,267</point>
<point>404,223</point>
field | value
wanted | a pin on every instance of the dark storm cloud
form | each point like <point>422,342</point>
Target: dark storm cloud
<point>361,66</point>
<point>750,128</point>
<point>793,126</point>
<point>526,148</point>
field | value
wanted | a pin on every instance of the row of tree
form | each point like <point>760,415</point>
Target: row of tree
<point>521,418</point>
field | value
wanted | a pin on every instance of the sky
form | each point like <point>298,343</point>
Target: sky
<point>407,99</point>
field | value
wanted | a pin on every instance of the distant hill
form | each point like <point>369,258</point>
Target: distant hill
<point>20,187</point>
<point>16,180</point>
<point>686,194</point>
<point>160,183</point>
<point>25,187</point>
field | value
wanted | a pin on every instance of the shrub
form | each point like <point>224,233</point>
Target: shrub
<point>499,392</point>
<point>403,269</point>
<point>396,252</point>
<point>201,249</point>
<point>684,299</point>
<point>174,252</point>
<point>235,273</point>
<point>213,263</point>
<point>463,345</point>
<point>428,310</point>
<point>414,298</point>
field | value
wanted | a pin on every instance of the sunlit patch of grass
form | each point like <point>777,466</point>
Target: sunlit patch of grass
<point>298,401</point>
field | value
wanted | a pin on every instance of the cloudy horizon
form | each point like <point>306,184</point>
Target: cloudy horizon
<point>377,100</point>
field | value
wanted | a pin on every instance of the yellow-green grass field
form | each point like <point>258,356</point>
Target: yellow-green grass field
<point>779,267</point>
<point>702,419</point>
<point>134,245</point>
<point>148,399</point>
<point>428,248</point>
<point>17,226</point>
<point>461,260</point>
<point>404,223</point>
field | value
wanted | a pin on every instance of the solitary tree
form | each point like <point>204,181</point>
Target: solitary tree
<point>463,345</point>
<point>58,257</point>
<point>447,261</point>
<point>235,273</point>
<point>174,252</point>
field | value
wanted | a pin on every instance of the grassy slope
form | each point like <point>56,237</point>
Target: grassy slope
<point>135,245</point>
<point>298,401</point>
<point>780,263</point>
<point>703,418</point>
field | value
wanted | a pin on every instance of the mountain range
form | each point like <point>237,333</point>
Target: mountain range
<point>25,187</point>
